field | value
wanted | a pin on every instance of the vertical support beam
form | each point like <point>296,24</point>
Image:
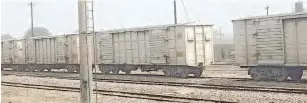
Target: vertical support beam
<point>267,10</point>
<point>31,7</point>
<point>85,55</point>
<point>175,12</point>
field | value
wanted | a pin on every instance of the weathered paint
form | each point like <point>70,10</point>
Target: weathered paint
<point>271,40</point>
<point>173,45</point>
<point>167,45</point>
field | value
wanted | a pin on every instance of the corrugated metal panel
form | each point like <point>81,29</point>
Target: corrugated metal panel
<point>280,40</point>
<point>150,46</point>
<point>190,45</point>
<point>61,49</point>
<point>18,52</point>
<point>116,56</point>
<point>6,52</point>
<point>240,41</point>
<point>45,48</point>
<point>295,41</point>
<point>135,47</point>
<point>270,41</point>
<point>105,48</point>
<point>200,42</point>
<point>52,55</point>
<point>302,35</point>
<point>208,44</point>
<point>122,48</point>
<point>128,48</point>
<point>142,47</point>
<point>251,34</point>
<point>171,45</point>
<point>157,46</point>
<point>180,48</point>
<point>38,50</point>
<point>13,52</point>
<point>72,49</point>
<point>30,50</point>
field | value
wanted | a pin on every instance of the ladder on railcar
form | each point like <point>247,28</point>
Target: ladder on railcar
<point>90,30</point>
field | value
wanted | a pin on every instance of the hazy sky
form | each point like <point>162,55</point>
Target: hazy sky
<point>60,16</point>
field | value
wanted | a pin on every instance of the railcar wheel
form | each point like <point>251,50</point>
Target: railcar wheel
<point>296,75</point>
<point>256,77</point>
<point>295,78</point>
<point>49,70</point>
<point>104,71</point>
<point>167,72</point>
<point>14,68</point>
<point>78,70</point>
<point>198,73</point>
<point>107,72</point>
<point>41,70</point>
<point>127,71</point>
<point>32,69</point>
<point>174,72</point>
<point>21,69</point>
<point>70,70</point>
<point>183,74</point>
<point>281,78</point>
<point>115,71</point>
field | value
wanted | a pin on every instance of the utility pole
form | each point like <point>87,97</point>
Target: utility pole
<point>221,34</point>
<point>31,7</point>
<point>267,10</point>
<point>85,53</point>
<point>175,12</point>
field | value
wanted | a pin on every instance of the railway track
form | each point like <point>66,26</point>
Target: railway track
<point>154,97</point>
<point>190,85</point>
<point>147,75</point>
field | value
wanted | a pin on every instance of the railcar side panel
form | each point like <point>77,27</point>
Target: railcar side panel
<point>295,43</point>
<point>199,45</point>
<point>105,48</point>
<point>61,49</point>
<point>30,50</point>
<point>180,46</point>
<point>6,52</point>
<point>157,46</point>
<point>270,41</point>
<point>241,43</point>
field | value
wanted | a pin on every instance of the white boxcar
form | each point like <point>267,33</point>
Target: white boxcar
<point>272,46</point>
<point>155,48</point>
<point>177,50</point>
<point>12,52</point>
<point>40,53</point>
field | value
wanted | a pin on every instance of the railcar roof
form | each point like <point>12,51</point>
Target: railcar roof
<point>304,14</point>
<point>155,27</point>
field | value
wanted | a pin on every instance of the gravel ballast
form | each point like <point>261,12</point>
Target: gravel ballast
<point>240,96</point>
<point>26,95</point>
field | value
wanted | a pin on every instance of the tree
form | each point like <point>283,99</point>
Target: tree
<point>37,31</point>
<point>6,37</point>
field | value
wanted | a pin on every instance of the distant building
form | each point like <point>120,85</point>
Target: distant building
<point>299,6</point>
<point>223,54</point>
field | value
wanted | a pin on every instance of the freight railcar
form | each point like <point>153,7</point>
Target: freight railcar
<point>272,47</point>
<point>177,50</point>
<point>40,53</point>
